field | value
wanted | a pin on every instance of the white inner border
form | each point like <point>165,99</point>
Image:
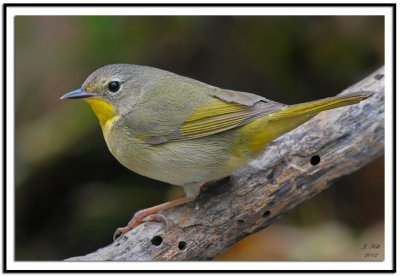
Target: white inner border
<point>387,264</point>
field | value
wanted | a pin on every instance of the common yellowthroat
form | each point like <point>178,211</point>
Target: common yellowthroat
<point>185,132</point>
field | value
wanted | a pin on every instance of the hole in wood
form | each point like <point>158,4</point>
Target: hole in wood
<point>157,240</point>
<point>315,160</point>
<point>266,214</point>
<point>181,245</point>
<point>240,221</point>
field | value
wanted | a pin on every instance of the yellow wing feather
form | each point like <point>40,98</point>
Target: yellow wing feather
<point>214,108</point>
<point>221,112</point>
<point>217,116</point>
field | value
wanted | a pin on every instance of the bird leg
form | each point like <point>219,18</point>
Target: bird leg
<point>150,214</point>
<point>192,190</point>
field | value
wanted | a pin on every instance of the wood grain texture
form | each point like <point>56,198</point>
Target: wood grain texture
<point>344,139</point>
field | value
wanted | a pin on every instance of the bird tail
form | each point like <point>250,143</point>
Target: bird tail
<point>314,107</point>
<point>273,125</point>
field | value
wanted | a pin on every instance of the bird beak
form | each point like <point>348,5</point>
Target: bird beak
<point>78,94</point>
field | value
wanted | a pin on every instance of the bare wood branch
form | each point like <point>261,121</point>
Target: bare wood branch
<point>344,139</point>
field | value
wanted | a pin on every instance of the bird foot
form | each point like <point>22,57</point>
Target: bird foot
<point>150,214</point>
<point>139,218</point>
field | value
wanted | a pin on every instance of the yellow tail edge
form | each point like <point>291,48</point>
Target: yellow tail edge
<point>320,105</point>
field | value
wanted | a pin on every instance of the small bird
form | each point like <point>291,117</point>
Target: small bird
<point>184,132</point>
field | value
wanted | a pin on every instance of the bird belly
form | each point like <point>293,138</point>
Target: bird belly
<point>197,160</point>
<point>192,161</point>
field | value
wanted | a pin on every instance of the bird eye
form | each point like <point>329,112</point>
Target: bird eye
<point>114,86</point>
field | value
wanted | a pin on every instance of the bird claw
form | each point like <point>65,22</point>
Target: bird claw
<point>157,218</point>
<point>119,232</point>
<point>138,219</point>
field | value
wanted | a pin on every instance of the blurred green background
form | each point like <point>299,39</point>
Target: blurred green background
<point>71,194</point>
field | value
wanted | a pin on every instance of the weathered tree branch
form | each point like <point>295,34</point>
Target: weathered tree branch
<point>344,139</point>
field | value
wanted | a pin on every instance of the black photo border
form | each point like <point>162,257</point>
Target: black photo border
<point>7,5</point>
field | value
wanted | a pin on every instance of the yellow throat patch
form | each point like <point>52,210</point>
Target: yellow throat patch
<point>104,111</point>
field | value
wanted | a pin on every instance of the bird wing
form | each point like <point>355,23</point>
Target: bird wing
<point>225,110</point>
